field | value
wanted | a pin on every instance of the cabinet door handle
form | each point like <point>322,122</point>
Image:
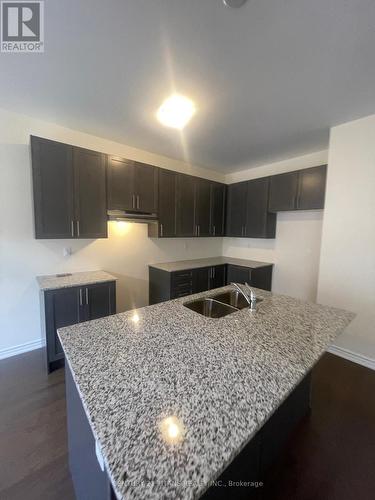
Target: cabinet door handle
<point>138,201</point>
<point>213,272</point>
<point>161,230</point>
<point>214,230</point>
<point>78,229</point>
<point>87,296</point>
<point>199,230</point>
<point>80,297</point>
<point>72,227</point>
<point>133,200</point>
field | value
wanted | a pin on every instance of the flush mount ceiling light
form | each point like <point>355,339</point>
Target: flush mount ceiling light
<point>176,111</point>
<point>234,3</point>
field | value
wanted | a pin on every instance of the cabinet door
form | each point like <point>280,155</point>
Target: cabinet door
<point>217,276</point>
<point>217,221</point>
<point>62,308</point>
<point>202,207</point>
<point>100,300</point>
<point>261,278</point>
<point>238,274</point>
<point>146,184</point>
<point>167,203</point>
<point>259,222</point>
<point>90,193</point>
<point>185,220</point>
<point>236,209</point>
<point>121,190</point>
<point>311,190</point>
<point>201,279</point>
<point>53,189</point>
<point>283,192</point>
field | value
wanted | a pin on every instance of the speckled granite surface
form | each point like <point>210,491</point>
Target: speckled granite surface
<point>52,282</point>
<point>221,378</point>
<point>212,261</point>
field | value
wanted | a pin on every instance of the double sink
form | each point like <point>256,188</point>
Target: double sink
<point>219,305</point>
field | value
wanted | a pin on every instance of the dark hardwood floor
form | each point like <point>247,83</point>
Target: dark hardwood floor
<point>331,455</point>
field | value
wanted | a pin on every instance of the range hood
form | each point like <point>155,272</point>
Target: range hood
<point>129,216</point>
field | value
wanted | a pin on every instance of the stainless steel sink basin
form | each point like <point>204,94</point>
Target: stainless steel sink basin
<point>234,299</point>
<point>210,308</point>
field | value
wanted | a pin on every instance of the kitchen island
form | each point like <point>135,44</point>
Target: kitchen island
<point>171,399</point>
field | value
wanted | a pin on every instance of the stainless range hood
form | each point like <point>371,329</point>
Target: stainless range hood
<point>129,216</point>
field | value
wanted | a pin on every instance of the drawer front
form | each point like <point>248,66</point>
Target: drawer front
<point>181,277</point>
<point>182,292</point>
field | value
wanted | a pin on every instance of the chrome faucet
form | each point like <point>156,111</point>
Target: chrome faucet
<point>247,292</point>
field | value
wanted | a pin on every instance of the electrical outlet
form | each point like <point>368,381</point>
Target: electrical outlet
<point>67,252</point>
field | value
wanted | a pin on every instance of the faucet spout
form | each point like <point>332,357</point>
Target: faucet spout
<point>247,292</point>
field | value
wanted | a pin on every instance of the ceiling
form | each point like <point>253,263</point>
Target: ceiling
<point>268,79</point>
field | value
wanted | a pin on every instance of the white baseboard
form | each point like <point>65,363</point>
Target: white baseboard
<point>352,356</point>
<point>19,349</point>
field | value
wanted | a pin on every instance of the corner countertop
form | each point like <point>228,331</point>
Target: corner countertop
<point>182,265</point>
<point>67,280</point>
<point>221,378</point>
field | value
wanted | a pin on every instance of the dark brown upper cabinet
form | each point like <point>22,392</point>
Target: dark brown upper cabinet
<point>202,207</point>
<point>146,187</point>
<point>260,223</point>
<point>236,210</point>
<point>247,210</point>
<point>167,206</point>
<point>188,206</point>
<point>300,190</point>
<point>90,193</point>
<point>217,210</point>
<point>185,207</point>
<point>283,192</point>
<point>311,189</point>
<point>120,178</point>
<point>69,187</point>
<point>132,186</point>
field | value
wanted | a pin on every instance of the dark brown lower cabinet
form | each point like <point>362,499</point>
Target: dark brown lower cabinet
<point>69,306</point>
<point>165,285</point>
<point>260,277</point>
<point>240,480</point>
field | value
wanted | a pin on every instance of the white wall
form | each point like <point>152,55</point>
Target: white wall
<point>126,252</point>
<point>296,248</point>
<point>347,264</point>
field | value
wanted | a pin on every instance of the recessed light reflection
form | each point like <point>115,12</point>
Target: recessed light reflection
<point>135,318</point>
<point>176,111</point>
<point>172,430</point>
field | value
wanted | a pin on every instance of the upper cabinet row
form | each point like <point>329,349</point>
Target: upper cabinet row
<point>74,188</point>
<point>189,206</point>
<point>252,205</point>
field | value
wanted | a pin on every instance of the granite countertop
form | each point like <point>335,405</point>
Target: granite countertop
<point>54,281</point>
<point>211,261</point>
<point>217,380</point>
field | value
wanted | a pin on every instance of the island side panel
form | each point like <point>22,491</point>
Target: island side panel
<point>90,482</point>
<point>240,480</point>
